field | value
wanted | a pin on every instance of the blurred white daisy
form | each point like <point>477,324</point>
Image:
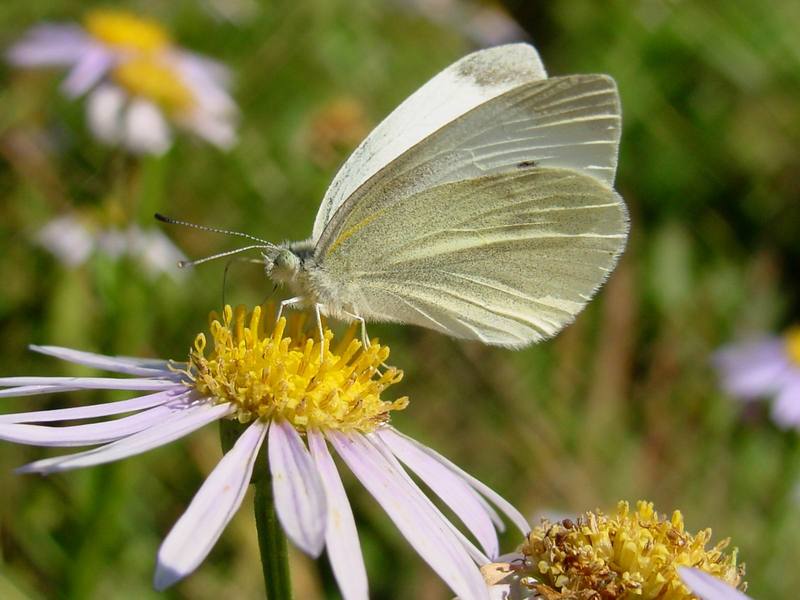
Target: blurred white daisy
<point>137,80</point>
<point>484,23</point>
<point>73,241</point>
<point>768,367</point>
<point>286,389</point>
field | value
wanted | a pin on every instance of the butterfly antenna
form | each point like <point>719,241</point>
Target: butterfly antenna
<point>171,221</point>
<point>193,263</point>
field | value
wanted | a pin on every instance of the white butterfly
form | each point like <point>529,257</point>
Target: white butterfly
<point>482,207</point>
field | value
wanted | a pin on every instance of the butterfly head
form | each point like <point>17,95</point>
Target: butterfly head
<point>281,264</point>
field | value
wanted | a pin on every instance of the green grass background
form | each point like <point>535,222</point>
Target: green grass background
<point>622,405</point>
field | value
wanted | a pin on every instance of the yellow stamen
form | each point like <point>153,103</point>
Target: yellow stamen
<point>150,78</point>
<point>630,555</point>
<point>126,30</point>
<point>792,338</point>
<point>267,375</point>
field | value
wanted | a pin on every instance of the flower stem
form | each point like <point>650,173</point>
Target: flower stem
<point>271,543</point>
<point>271,538</point>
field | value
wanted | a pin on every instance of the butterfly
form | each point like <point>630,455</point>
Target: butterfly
<point>482,207</point>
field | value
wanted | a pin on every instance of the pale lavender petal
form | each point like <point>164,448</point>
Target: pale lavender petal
<point>89,70</point>
<point>412,513</point>
<point>504,505</point>
<point>477,555</point>
<point>492,26</point>
<point>207,78</point>
<point>66,238</point>
<point>95,410</point>
<point>117,364</point>
<point>145,128</point>
<point>104,113</point>
<point>450,487</point>
<point>341,535</point>
<point>57,31</point>
<point>215,113</point>
<point>49,45</point>
<point>752,369</point>
<point>500,591</point>
<point>211,509</point>
<point>708,587</point>
<point>786,407</point>
<point>83,435</point>
<point>113,242</point>
<point>88,383</point>
<point>35,390</point>
<point>210,96</point>
<point>218,130</point>
<point>156,251</point>
<point>171,428</point>
<point>299,493</point>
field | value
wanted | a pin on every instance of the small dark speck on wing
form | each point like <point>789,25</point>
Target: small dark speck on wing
<point>525,164</point>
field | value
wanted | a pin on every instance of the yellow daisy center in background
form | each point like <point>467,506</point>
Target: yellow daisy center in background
<point>792,338</point>
<point>150,78</point>
<point>268,375</point>
<point>630,555</point>
<point>126,30</point>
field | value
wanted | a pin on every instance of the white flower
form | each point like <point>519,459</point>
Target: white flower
<point>136,78</point>
<point>286,389</point>
<point>67,239</point>
<point>485,24</point>
<point>70,240</point>
<point>505,583</point>
<point>765,368</point>
<point>634,553</point>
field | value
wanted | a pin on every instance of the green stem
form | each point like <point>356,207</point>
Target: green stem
<point>271,543</point>
<point>271,538</point>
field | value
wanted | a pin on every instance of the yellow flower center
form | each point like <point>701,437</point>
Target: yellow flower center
<point>142,70</point>
<point>630,555</point>
<point>126,30</point>
<point>150,78</point>
<point>792,338</point>
<point>268,375</point>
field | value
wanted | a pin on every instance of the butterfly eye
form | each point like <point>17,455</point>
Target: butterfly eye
<point>286,259</point>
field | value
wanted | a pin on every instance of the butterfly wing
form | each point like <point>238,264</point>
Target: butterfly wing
<point>462,86</point>
<point>499,226</point>
<point>508,259</point>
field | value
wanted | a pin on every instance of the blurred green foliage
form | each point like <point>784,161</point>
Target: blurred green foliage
<point>623,404</point>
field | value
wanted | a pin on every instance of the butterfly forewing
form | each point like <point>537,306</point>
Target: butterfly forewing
<point>571,122</point>
<point>459,88</point>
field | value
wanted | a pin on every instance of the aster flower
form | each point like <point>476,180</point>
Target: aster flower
<point>632,554</point>
<point>73,241</point>
<point>284,388</point>
<point>708,587</point>
<point>136,79</point>
<point>765,368</point>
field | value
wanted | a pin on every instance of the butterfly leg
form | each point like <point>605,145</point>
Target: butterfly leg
<point>364,336</point>
<point>318,314</point>
<point>285,303</point>
<point>363,323</point>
